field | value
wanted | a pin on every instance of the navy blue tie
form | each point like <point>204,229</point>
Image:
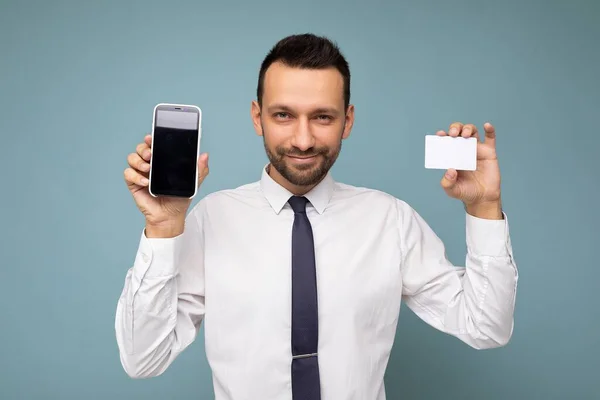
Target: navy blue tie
<point>305,329</point>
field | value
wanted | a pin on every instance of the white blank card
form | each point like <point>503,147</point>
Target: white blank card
<point>443,152</point>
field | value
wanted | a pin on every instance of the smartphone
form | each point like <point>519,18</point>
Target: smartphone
<point>176,132</point>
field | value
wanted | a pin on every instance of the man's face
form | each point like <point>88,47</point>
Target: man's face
<point>302,121</point>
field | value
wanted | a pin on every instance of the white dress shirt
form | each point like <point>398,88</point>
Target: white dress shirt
<point>231,271</point>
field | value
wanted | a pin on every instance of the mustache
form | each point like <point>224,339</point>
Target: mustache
<point>295,152</point>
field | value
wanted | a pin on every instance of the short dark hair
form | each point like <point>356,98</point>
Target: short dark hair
<point>307,51</point>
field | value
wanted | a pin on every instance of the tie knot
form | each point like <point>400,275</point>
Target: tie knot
<point>298,204</point>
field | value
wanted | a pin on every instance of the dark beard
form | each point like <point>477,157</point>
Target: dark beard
<point>308,175</point>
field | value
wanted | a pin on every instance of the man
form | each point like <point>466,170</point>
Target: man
<point>299,278</point>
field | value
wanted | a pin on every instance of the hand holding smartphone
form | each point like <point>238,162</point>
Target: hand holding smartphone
<point>164,171</point>
<point>176,133</point>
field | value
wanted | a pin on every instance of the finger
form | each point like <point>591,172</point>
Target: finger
<point>202,167</point>
<point>455,129</point>
<point>440,133</point>
<point>134,178</point>
<point>144,151</point>
<point>136,162</point>
<point>148,140</point>
<point>490,134</point>
<point>486,152</point>
<point>469,130</point>
<point>449,179</point>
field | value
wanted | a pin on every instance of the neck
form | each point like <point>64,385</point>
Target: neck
<point>295,189</point>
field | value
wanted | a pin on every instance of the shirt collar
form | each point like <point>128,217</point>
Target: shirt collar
<point>278,196</point>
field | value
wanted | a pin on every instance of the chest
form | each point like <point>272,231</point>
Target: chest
<point>248,263</point>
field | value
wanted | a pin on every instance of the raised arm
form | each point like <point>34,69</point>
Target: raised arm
<point>162,303</point>
<point>475,302</point>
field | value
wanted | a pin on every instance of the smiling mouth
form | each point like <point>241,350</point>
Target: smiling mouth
<point>303,160</point>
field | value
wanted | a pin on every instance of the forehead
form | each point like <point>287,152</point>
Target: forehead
<point>303,88</point>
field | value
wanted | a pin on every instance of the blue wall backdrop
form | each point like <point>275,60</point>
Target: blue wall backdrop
<point>79,79</point>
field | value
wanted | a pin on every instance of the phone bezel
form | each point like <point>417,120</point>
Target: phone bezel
<point>189,108</point>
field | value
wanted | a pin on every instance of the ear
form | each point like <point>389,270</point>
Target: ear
<point>349,121</point>
<point>256,114</point>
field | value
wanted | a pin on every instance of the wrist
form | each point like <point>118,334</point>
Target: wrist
<point>485,210</point>
<point>166,229</point>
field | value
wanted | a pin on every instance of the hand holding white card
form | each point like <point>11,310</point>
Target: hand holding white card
<point>445,152</point>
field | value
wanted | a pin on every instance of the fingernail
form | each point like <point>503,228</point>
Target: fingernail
<point>145,181</point>
<point>452,131</point>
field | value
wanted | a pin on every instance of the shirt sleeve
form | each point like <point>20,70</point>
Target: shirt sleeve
<point>161,306</point>
<point>475,302</point>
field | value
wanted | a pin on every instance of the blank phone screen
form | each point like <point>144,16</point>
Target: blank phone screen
<point>174,153</point>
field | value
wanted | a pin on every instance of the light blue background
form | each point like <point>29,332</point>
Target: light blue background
<point>78,81</point>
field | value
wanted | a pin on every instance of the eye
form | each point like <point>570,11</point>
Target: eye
<point>281,115</point>
<point>324,118</point>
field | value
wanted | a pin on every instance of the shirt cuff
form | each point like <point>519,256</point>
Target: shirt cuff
<point>488,237</point>
<point>157,257</point>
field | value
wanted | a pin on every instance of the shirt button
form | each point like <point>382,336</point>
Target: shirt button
<point>145,257</point>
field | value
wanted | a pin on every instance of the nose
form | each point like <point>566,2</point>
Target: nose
<point>303,138</point>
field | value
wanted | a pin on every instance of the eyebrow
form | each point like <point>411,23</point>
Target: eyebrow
<point>320,110</point>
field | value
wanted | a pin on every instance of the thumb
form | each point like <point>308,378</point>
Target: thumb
<point>202,167</point>
<point>449,179</point>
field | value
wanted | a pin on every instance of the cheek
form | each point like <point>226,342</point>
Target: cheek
<point>278,134</point>
<point>328,136</point>
<point>274,138</point>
